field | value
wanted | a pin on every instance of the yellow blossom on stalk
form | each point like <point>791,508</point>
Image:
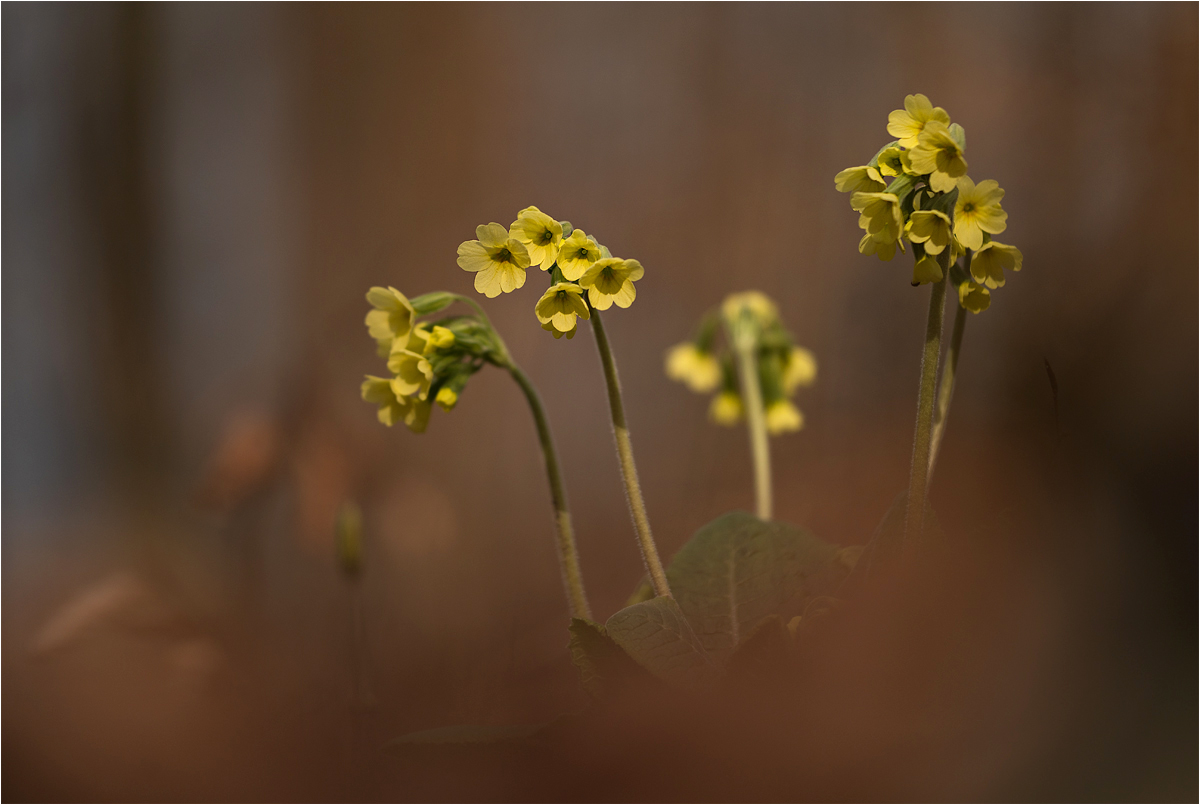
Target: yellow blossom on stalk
<point>895,162</point>
<point>550,328</point>
<point>977,210</point>
<point>800,369</point>
<point>726,408</point>
<point>926,270</point>
<point>861,178</point>
<point>417,417</point>
<point>990,261</point>
<point>940,155</point>
<point>498,261</point>
<point>974,297</point>
<point>447,398</point>
<point>577,254</point>
<point>691,365</point>
<point>883,249</point>
<point>880,215</point>
<point>782,417</point>
<point>378,390</point>
<point>755,302</point>
<point>540,234</point>
<point>439,338</point>
<point>392,318</point>
<point>930,227</point>
<point>559,306</point>
<point>609,280</point>
<point>413,373</point>
<point>907,124</point>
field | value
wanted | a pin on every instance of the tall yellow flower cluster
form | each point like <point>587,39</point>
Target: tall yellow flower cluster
<point>705,366</point>
<point>427,361</point>
<point>916,191</point>
<point>584,276</point>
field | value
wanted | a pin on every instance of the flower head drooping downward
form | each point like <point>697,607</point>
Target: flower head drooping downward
<point>880,215</point>
<point>391,320</point>
<point>610,280</point>
<point>498,260</point>
<point>863,178</point>
<point>783,417</point>
<point>939,154</point>
<point>726,409</point>
<point>698,369</point>
<point>559,307</point>
<point>991,259</point>
<point>540,234</point>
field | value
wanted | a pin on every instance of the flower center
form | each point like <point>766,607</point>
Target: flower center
<point>547,236</point>
<point>968,207</point>
<point>504,256</point>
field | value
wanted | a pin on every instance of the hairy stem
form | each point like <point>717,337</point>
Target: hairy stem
<point>756,422</point>
<point>946,386</point>
<point>633,491</point>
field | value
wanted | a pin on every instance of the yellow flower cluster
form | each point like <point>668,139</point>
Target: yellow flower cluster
<point>427,362</point>
<point>705,366</point>
<point>574,260</point>
<point>916,190</point>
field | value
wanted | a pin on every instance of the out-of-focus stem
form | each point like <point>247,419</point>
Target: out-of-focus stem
<point>756,422</point>
<point>946,386</point>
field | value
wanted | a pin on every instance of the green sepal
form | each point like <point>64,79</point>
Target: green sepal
<point>432,302</point>
<point>567,228</point>
<point>874,163</point>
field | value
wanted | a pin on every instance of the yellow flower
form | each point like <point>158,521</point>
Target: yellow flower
<point>378,390</point>
<point>800,369</point>
<point>974,297</point>
<point>726,408</point>
<point>930,227</point>
<point>757,303</point>
<point>540,234</point>
<point>989,262</point>
<point>439,338</point>
<point>577,254</point>
<point>883,249</point>
<point>880,215</point>
<point>783,417</point>
<point>895,162</point>
<point>609,280</point>
<point>864,177</point>
<point>499,261</point>
<point>447,398</point>
<point>926,270</point>
<point>559,306</point>
<point>391,319</point>
<point>413,373</point>
<point>939,154</point>
<point>550,328</point>
<point>977,210</point>
<point>417,416</point>
<point>689,364</point>
<point>907,124</point>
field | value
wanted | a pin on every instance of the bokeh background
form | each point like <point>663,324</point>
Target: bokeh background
<point>196,198</point>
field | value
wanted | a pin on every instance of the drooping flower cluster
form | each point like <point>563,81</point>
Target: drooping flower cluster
<point>584,276</point>
<point>705,366</point>
<point>916,190</point>
<point>427,361</point>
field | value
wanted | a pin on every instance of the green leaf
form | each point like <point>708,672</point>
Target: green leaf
<point>883,552</point>
<point>738,570</point>
<point>658,637</point>
<point>604,668</point>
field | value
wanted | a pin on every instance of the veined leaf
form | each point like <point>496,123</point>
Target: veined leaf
<point>604,668</point>
<point>658,637</point>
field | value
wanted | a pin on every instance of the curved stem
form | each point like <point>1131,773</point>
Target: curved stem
<point>633,491</point>
<point>568,555</point>
<point>946,386</point>
<point>918,479</point>
<point>756,422</point>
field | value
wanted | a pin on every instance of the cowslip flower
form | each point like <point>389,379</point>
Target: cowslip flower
<point>895,161</point>
<point>756,303</point>
<point>783,417</point>
<point>879,215</point>
<point>392,318</point>
<point>498,260</point>
<point>550,328</point>
<point>696,368</point>
<point>883,249</point>
<point>726,408</point>
<point>977,210</point>
<point>559,306</point>
<point>939,154</point>
<point>907,124</point>
<point>926,270</point>
<point>974,297</point>
<point>862,178</point>
<point>540,234</point>
<point>930,227</point>
<point>609,280</point>
<point>799,369</point>
<point>439,338</point>
<point>413,373</point>
<point>576,255</point>
<point>447,398</point>
<point>991,259</point>
<point>378,390</point>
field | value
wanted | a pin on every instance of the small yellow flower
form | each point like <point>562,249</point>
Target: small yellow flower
<point>499,261</point>
<point>609,280</point>
<point>800,369</point>
<point>883,249</point>
<point>757,303</point>
<point>378,390</point>
<point>990,261</point>
<point>550,328</point>
<point>691,365</point>
<point>413,373</point>
<point>939,154</point>
<point>895,162</point>
<point>439,338</point>
<point>907,124</point>
<point>783,417</point>
<point>862,178</point>
<point>577,254</point>
<point>559,306</point>
<point>974,297</point>
<point>726,408</point>
<point>930,227</point>
<point>391,319</point>
<point>540,234</point>
<point>926,270</point>
<point>447,398</point>
<point>880,215</point>
<point>977,210</point>
<point>417,416</point>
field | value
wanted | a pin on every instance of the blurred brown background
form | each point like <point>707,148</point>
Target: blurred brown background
<point>196,198</point>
